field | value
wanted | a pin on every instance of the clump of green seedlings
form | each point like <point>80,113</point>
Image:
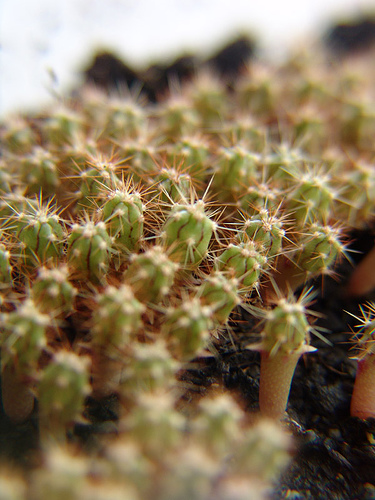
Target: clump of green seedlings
<point>131,237</point>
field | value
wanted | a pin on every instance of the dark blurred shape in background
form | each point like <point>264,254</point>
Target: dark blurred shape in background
<point>108,72</point>
<point>351,36</point>
<point>233,57</point>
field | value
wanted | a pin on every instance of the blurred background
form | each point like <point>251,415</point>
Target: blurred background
<point>46,44</point>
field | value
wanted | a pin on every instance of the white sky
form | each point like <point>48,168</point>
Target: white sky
<point>39,36</point>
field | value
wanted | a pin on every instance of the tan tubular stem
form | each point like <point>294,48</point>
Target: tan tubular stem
<point>363,397</point>
<point>276,373</point>
<point>18,399</point>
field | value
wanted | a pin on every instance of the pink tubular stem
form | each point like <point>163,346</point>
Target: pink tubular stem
<point>363,397</point>
<point>276,373</point>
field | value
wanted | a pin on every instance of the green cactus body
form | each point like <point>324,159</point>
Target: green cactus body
<point>221,293</point>
<point>140,155</point>
<point>217,423</point>
<point>235,171</point>
<point>312,200</point>
<point>7,180</point>
<point>178,117</point>
<point>258,195</point>
<point>187,233</point>
<point>319,249</point>
<point>155,422</point>
<point>116,322</point>
<point>124,119</point>
<point>39,233</point>
<point>52,291</point>
<point>39,172</point>
<point>266,230</point>
<point>62,126</point>
<point>359,193</point>
<point>41,239</point>
<point>15,204</point>
<point>117,318</point>
<point>285,329</point>
<point>95,181</point>
<point>22,343</point>
<point>207,98</point>
<point>194,152</point>
<point>285,337</point>
<point>174,186</point>
<point>25,336</point>
<point>150,368</point>
<point>187,327</point>
<point>285,163</point>
<point>123,215</point>
<point>151,274</point>
<point>243,261</point>
<point>62,389</point>
<point>17,136</point>
<point>89,248</point>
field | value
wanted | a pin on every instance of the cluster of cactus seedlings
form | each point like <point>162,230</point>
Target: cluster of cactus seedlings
<point>132,234</point>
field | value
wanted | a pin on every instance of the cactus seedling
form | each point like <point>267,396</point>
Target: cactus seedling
<point>317,251</point>
<point>151,274</point>
<point>116,322</point>
<point>52,291</point>
<point>243,261</point>
<point>363,397</point>
<point>221,293</point>
<point>24,338</point>
<point>187,233</point>
<point>267,230</point>
<point>123,214</point>
<point>285,338</point>
<point>188,328</point>
<point>62,390</point>
<point>89,247</point>
<point>38,231</point>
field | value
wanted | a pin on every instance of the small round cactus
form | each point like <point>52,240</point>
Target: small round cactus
<point>236,169</point>
<point>217,423</point>
<point>52,291</point>
<point>266,229</point>
<point>285,338</point>
<point>149,368</point>
<point>312,199</point>
<point>187,233</point>
<point>187,327</point>
<point>222,293</point>
<point>115,324</point>
<point>89,248</point>
<point>155,422</point>
<point>123,215</point>
<point>244,261</point>
<point>39,232</point>
<point>151,274</point>
<point>62,389</point>
<point>23,340</point>
<point>40,172</point>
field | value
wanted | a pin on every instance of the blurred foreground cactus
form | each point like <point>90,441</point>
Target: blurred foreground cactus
<point>131,237</point>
